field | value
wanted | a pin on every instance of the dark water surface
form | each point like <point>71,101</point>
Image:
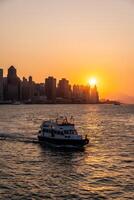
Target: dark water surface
<point>105,170</point>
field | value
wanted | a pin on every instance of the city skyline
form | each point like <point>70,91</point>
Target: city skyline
<point>73,39</point>
<point>26,90</point>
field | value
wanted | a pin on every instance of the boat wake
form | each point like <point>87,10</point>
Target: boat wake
<point>17,137</point>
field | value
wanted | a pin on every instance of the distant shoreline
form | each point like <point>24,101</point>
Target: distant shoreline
<point>64,103</point>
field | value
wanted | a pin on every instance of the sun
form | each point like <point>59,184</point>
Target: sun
<point>92,81</point>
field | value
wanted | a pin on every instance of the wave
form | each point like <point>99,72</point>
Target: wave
<point>17,137</point>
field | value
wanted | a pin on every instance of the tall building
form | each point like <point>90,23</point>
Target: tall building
<point>64,89</point>
<point>50,88</point>
<point>31,87</point>
<point>1,73</point>
<point>86,94</point>
<point>81,93</point>
<point>94,95</point>
<point>75,91</point>
<point>12,85</point>
<point>1,85</point>
<point>24,89</point>
<point>12,73</point>
<point>27,89</point>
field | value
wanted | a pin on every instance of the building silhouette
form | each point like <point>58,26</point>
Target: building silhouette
<point>13,82</point>
<point>50,88</point>
<point>64,89</point>
<point>94,95</point>
<point>1,85</point>
<point>81,93</point>
<point>27,89</point>
<point>86,94</point>
<point>76,92</point>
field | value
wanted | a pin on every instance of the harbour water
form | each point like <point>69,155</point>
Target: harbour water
<point>104,170</point>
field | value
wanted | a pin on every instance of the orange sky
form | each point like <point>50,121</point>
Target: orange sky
<point>73,39</point>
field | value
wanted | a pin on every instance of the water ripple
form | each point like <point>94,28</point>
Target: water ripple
<point>103,171</point>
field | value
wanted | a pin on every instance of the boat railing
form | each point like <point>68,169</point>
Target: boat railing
<point>65,121</point>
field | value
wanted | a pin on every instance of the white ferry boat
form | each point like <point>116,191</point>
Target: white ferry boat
<point>61,133</point>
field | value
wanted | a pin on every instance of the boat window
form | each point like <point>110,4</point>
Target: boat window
<point>45,130</point>
<point>67,136</point>
<point>72,132</point>
<point>67,132</point>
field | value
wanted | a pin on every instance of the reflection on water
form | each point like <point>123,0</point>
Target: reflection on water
<point>103,171</point>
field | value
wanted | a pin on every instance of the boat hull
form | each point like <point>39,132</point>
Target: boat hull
<point>63,143</point>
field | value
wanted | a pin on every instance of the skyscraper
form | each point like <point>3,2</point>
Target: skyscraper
<point>50,88</point>
<point>81,93</point>
<point>64,89</point>
<point>27,89</point>
<point>1,73</point>
<point>1,85</point>
<point>24,89</point>
<point>94,95</point>
<point>12,73</point>
<point>31,87</point>
<point>13,85</point>
<point>86,94</point>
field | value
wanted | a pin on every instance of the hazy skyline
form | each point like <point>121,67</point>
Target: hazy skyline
<point>71,38</point>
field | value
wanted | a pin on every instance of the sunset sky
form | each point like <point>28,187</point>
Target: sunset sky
<point>75,39</point>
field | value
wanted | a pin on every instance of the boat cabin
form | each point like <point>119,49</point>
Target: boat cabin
<point>60,127</point>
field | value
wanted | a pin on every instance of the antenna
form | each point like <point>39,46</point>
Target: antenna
<point>72,119</point>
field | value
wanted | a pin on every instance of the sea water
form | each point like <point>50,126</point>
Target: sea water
<point>104,170</point>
